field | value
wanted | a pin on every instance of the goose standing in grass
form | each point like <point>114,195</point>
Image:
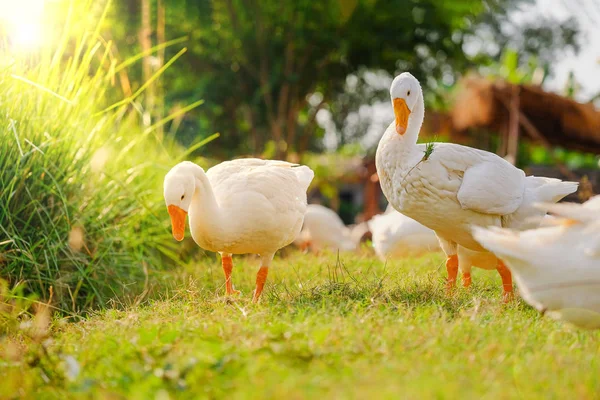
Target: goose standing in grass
<point>396,236</point>
<point>556,267</point>
<point>239,207</point>
<point>451,188</point>
<point>323,228</point>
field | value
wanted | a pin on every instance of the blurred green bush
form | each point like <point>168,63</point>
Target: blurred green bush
<point>81,218</point>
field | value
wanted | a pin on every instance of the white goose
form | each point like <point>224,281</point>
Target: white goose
<point>454,187</point>
<point>323,228</point>
<point>239,207</point>
<point>556,267</point>
<point>396,236</point>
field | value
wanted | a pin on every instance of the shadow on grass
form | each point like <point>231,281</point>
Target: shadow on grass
<point>348,295</point>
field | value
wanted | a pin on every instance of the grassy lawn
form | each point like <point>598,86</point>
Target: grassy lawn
<point>353,328</point>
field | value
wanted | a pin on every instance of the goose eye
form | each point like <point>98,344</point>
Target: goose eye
<point>182,196</point>
<point>408,94</point>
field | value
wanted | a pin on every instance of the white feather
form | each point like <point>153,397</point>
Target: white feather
<point>396,236</point>
<point>556,267</point>
<point>324,229</point>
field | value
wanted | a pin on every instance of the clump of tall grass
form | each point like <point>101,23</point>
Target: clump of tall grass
<point>80,181</point>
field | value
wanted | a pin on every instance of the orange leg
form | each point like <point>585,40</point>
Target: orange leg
<point>305,246</point>
<point>466,278</point>
<point>507,286</point>
<point>227,262</point>
<point>452,269</point>
<point>261,278</point>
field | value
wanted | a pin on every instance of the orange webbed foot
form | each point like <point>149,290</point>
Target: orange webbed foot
<point>466,279</point>
<point>261,278</point>
<point>508,297</point>
<point>507,286</point>
<point>227,262</point>
<point>452,269</point>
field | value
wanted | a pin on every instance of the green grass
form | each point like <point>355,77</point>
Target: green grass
<point>353,328</point>
<point>81,213</point>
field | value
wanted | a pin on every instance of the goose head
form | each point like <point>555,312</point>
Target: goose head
<point>406,96</point>
<point>178,191</point>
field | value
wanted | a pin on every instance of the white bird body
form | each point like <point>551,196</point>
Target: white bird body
<point>454,187</point>
<point>261,207</point>
<point>396,236</point>
<point>458,187</point>
<point>429,191</point>
<point>556,267</point>
<point>323,229</point>
<point>240,206</point>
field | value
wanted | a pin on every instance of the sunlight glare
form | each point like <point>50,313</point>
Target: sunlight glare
<point>22,21</point>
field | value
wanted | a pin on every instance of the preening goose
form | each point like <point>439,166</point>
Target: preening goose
<point>396,236</point>
<point>324,229</point>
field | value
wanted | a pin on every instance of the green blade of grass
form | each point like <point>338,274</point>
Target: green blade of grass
<point>42,88</point>
<point>146,84</point>
<point>152,50</point>
<point>174,115</point>
<point>198,145</point>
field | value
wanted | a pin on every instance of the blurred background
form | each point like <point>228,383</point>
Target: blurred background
<point>308,81</point>
<point>113,93</point>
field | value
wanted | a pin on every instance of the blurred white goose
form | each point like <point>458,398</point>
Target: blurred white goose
<point>324,229</point>
<point>557,268</point>
<point>396,236</point>
<point>238,207</point>
<point>450,188</point>
<point>467,259</point>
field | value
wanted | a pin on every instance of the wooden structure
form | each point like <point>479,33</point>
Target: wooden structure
<point>372,190</point>
<point>518,110</point>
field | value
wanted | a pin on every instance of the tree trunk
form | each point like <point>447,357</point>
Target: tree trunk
<point>292,125</point>
<point>146,45</point>
<point>512,143</point>
<point>285,98</point>
<point>160,38</point>
<point>309,129</point>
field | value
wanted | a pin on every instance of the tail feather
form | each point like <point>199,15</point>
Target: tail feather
<point>538,190</point>
<point>305,175</point>
<point>550,190</point>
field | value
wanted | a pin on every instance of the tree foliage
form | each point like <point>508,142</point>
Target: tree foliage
<point>258,64</point>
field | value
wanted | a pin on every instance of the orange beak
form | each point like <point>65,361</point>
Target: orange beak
<point>177,221</point>
<point>402,113</point>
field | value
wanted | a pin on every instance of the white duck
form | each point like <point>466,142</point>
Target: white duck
<point>323,228</point>
<point>556,267</point>
<point>238,207</point>
<point>396,236</point>
<point>450,188</point>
